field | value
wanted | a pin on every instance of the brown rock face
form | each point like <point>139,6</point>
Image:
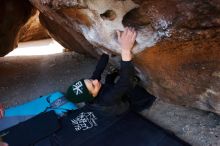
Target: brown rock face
<point>13,15</point>
<point>177,50</point>
<point>183,67</point>
<point>33,30</point>
<point>187,74</point>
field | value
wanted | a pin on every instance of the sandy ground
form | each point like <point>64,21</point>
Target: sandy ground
<point>25,78</point>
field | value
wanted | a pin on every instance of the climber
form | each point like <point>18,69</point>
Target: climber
<point>110,114</point>
<point>106,118</point>
<point>116,97</point>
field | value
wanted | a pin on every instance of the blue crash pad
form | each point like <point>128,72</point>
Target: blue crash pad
<point>54,101</point>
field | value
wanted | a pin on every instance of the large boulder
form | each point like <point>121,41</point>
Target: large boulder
<point>13,16</point>
<point>183,67</point>
<point>19,22</point>
<point>177,51</point>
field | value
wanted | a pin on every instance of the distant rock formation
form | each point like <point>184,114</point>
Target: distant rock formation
<point>177,51</point>
<point>33,30</point>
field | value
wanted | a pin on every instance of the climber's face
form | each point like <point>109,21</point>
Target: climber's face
<point>93,86</point>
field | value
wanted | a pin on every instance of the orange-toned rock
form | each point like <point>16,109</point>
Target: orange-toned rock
<point>184,73</point>
<point>183,66</point>
<point>33,30</point>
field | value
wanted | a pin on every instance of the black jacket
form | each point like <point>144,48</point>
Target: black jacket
<point>110,95</point>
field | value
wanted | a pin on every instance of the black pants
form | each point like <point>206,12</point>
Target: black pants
<point>138,97</point>
<point>129,129</point>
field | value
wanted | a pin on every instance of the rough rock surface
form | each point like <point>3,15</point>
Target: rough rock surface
<point>19,22</point>
<point>13,15</point>
<point>177,50</point>
<point>33,30</point>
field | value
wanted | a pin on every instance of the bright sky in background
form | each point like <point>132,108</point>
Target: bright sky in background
<point>41,47</point>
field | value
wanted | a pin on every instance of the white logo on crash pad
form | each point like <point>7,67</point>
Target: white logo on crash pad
<point>77,88</point>
<point>84,121</point>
